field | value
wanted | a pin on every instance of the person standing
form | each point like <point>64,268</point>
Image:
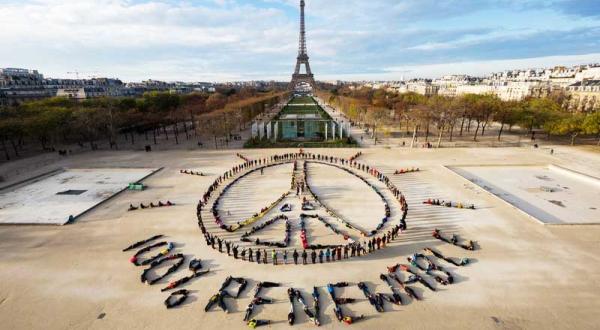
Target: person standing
<point>313,256</point>
<point>258,256</point>
<point>265,257</point>
<point>285,257</point>
<point>295,256</point>
<point>328,255</point>
<point>321,256</point>
<point>345,251</point>
<point>250,255</point>
<point>235,252</point>
<point>274,257</point>
<point>304,256</point>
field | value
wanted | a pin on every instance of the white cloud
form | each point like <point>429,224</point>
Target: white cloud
<point>480,68</point>
<point>221,39</point>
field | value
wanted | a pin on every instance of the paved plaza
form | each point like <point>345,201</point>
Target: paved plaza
<point>54,198</point>
<point>522,274</point>
<point>549,194</point>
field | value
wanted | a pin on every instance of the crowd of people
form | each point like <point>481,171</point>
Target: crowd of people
<point>255,229</point>
<point>339,314</point>
<point>303,237</point>
<point>469,245</point>
<point>242,157</point>
<point>428,266</point>
<point>195,267</point>
<point>307,205</point>
<point>218,299</point>
<point>327,224</point>
<point>145,277</point>
<point>191,172</point>
<point>215,207</point>
<point>387,209</point>
<point>437,202</point>
<point>318,253</point>
<point>355,156</point>
<point>372,242</point>
<point>164,256</point>
<point>406,170</point>
<point>460,263</point>
<point>256,301</point>
<point>296,295</point>
<point>150,206</point>
<point>395,298</point>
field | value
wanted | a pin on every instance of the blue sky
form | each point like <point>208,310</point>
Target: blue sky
<point>217,40</point>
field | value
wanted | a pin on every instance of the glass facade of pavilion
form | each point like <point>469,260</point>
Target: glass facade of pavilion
<point>302,119</point>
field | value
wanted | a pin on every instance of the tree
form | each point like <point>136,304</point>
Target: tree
<point>567,125</point>
<point>467,103</point>
<point>216,101</point>
<point>537,112</point>
<point>483,109</point>
<point>45,122</point>
<point>375,117</point>
<point>508,113</point>
<point>353,111</point>
<point>454,112</point>
<point>591,124</point>
<point>88,123</point>
<point>438,108</point>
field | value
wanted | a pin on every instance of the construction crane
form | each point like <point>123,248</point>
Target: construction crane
<point>77,73</point>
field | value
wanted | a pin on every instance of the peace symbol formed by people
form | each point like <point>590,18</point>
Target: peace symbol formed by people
<point>297,208</point>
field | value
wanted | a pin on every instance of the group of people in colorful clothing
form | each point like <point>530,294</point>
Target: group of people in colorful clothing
<point>326,254</point>
<point>305,256</point>
<point>437,202</point>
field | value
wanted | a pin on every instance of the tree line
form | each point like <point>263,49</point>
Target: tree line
<point>60,121</point>
<point>451,116</point>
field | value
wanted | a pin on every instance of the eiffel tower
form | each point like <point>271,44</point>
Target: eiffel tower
<point>302,58</point>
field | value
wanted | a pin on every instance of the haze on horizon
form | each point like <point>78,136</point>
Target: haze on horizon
<point>220,40</point>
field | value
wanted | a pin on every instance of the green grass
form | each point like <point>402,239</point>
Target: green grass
<point>259,144</point>
<point>301,110</point>
<point>303,100</point>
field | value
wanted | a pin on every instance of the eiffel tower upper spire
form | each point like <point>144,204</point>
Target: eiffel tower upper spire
<point>302,58</point>
<point>302,44</point>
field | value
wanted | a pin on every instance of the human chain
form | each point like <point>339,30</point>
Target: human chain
<point>372,242</point>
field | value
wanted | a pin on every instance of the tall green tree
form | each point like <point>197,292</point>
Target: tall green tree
<point>537,112</point>
<point>508,114</point>
<point>591,124</point>
<point>571,125</point>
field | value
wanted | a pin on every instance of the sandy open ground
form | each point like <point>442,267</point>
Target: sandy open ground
<point>525,276</point>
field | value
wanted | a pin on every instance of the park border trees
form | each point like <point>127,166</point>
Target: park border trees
<point>419,112</point>
<point>56,123</point>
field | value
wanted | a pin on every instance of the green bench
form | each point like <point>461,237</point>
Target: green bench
<point>136,186</point>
